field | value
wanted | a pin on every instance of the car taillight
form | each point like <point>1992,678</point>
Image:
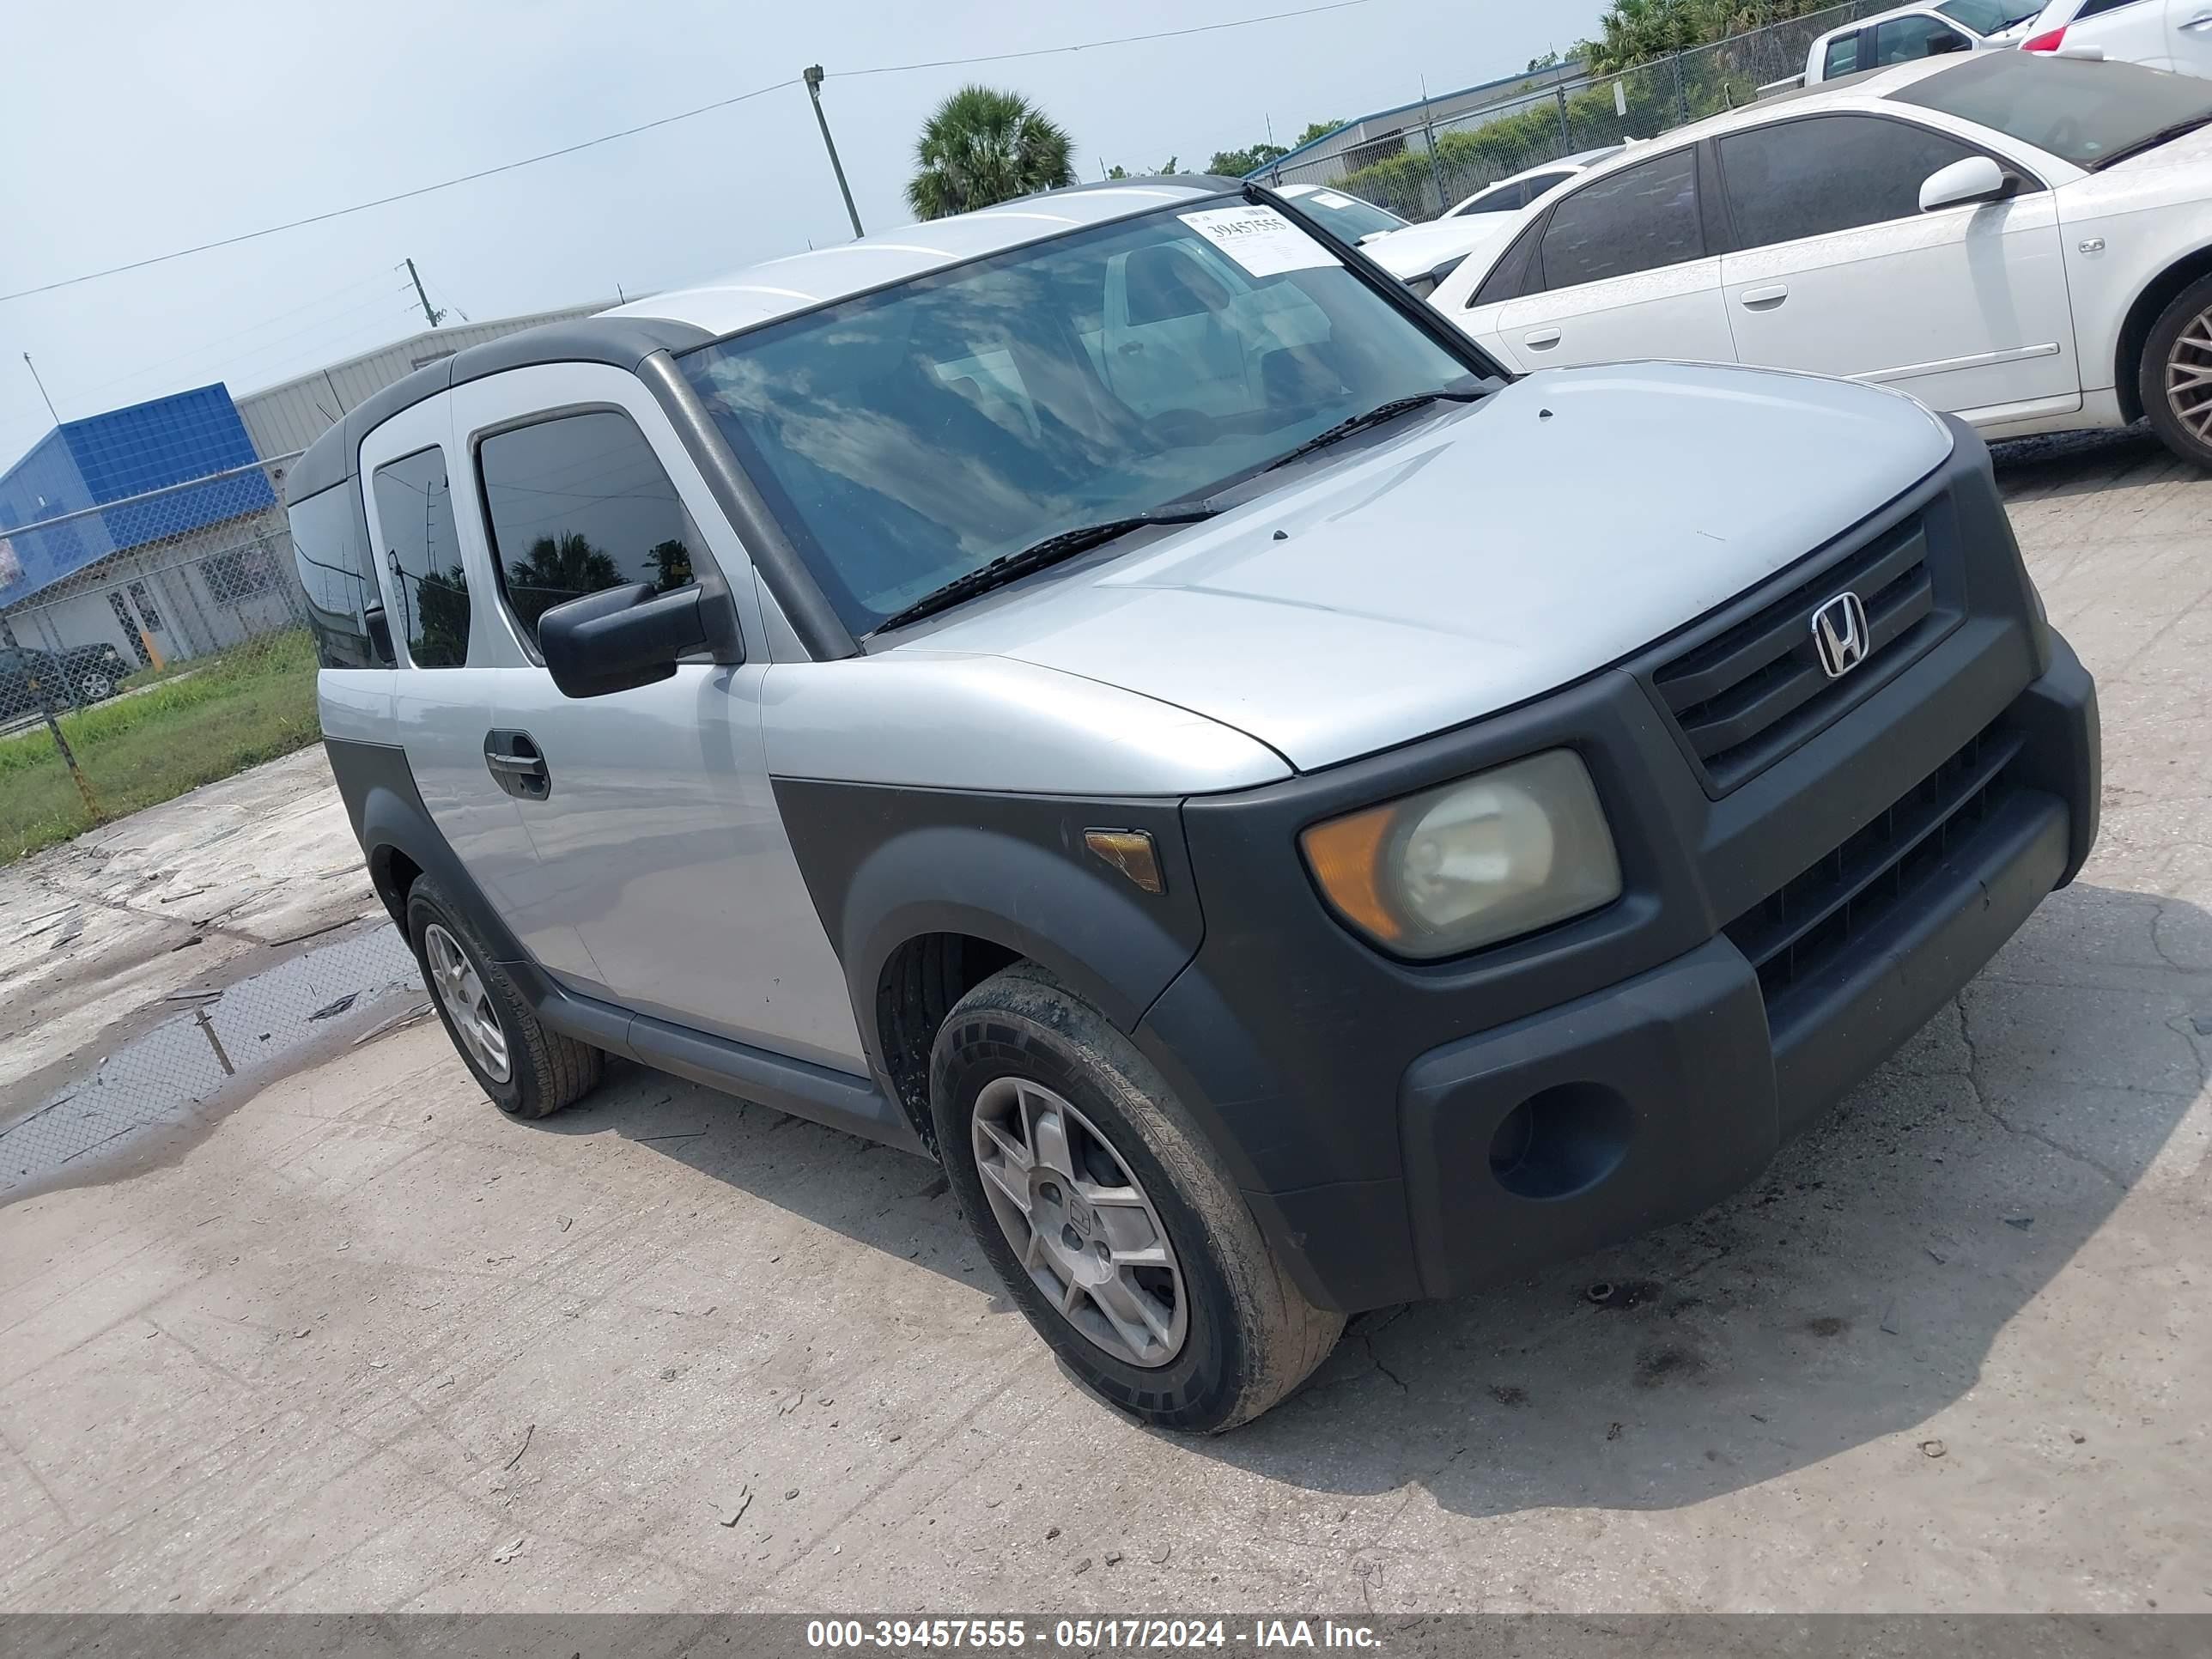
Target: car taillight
<point>2050,40</point>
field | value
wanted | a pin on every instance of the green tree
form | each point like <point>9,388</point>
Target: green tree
<point>983,146</point>
<point>554,572</point>
<point>1235,163</point>
<point>1314,130</point>
<point>671,562</point>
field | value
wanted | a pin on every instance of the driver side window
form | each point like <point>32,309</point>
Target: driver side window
<point>1823,174</point>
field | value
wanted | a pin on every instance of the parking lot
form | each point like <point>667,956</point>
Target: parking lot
<point>355,1342</point>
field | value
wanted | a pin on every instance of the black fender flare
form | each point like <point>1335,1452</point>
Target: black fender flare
<point>887,864</point>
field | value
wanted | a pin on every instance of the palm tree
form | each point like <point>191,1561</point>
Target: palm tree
<point>554,572</point>
<point>984,146</point>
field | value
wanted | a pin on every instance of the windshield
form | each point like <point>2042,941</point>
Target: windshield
<point>1348,216</point>
<point>1988,16</point>
<point>909,437</point>
<point>2082,110</point>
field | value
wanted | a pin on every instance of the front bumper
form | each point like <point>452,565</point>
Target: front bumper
<point>1407,1129</point>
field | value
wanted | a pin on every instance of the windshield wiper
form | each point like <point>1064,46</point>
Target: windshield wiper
<point>2165,135</point>
<point>1374,417</point>
<point>1012,567</point>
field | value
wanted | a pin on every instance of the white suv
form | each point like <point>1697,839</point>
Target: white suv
<point>2167,34</point>
<point>1111,693</point>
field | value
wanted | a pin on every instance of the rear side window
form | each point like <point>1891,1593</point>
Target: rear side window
<point>578,504</point>
<point>1828,172</point>
<point>1506,198</point>
<point>428,587</point>
<point>329,546</point>
<point>1641,218</point>
<point>1532,188</point>
<point>1842,56</point>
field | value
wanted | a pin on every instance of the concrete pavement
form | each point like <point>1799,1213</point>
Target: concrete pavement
<point>369,1346</point>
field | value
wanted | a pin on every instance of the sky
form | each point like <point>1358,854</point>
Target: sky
<point>135,127</point>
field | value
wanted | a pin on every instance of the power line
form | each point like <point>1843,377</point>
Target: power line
<point>1092,45</point>
<point>648,126</point>
<point>208,346</point>
<point>397,196</point>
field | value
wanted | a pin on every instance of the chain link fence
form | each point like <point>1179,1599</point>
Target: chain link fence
<point>147,644</point>
<point>1427,166</point>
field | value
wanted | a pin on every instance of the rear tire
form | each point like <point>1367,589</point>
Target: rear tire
<point>1122,1236</point>
<point>2175,374</point>
<point>95,687</point>
<point>526,1070</point>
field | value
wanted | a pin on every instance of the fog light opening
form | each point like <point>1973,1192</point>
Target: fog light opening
<point>1561,1141</point>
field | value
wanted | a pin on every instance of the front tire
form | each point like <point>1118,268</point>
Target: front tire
<point>2176,373</point>
<point>95,687</point>
<point>1110,1218</point>
<point>527,1070</point>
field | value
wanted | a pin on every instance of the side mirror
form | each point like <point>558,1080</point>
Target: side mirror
<point>620,638</point>
<point>1976,179</point>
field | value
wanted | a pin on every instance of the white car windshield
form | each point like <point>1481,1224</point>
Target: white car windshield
<point>909,437</point>
<point>1348,216</point>
<point>1987,17</point>
<point>2086,112</point>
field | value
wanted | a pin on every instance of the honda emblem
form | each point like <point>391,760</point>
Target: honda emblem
<point>1840,635</point>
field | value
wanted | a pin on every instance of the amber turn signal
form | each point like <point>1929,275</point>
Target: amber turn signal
<point>1131,853</point>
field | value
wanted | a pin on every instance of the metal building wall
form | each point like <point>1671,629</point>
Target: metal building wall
<point>287,417</point>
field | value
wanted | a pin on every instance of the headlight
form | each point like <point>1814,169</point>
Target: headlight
<point>1483,860</point>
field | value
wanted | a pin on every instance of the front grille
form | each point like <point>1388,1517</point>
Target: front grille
<point>1746,697</point>
<point>1798,931</point>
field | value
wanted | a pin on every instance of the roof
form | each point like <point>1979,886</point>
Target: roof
<point>1551,74</point>
<point>798,282</point>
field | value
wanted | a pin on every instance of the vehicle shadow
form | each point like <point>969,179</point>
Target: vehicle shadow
<point>1851,1293</point>
<point>2062,464</point>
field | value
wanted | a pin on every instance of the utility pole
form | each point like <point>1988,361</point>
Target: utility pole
<point>417,278</point>
<point>813,78</point>
<point>41,385</point>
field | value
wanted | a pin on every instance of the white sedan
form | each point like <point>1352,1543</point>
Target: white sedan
<point>2022,240</point>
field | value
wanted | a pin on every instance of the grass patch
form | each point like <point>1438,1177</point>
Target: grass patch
<point>234,710</point>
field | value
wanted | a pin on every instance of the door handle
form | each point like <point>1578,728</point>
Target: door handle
<point>2199,23</point>
<point>1543,339</point>
<point>516,765</point>
<point>1763,298</point>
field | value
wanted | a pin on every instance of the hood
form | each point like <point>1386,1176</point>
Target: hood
<point>1480,558</point>
<point>1419,249</point>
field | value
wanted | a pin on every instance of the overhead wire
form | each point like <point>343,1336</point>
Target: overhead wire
<point>662,121</point>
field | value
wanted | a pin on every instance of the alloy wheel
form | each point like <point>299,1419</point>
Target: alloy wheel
<point>461,994</point>
<point>2189,377</point>
<point>1079,1222</point>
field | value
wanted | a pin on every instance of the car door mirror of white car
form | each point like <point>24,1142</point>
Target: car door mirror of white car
<point>1976,179</point>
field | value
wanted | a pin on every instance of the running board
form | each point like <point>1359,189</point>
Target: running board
<point>837,1100</point>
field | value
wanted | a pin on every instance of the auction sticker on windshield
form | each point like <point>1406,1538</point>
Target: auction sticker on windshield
<point>1259,239</point>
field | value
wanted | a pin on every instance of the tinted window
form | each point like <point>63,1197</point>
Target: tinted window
<point>1638,219</point>
<point>2089,112</point>
<point>1843,55</point>
<point>330,546</point>
<point>1509,278</point>
<point>909,437</point>
<point>1906,39</point>
<point>1828,172</point>
<point>2098,8</point>
<point>1506,198</point>
<point>429,587</point>
<point>577,505</point>
<point>1348,216</point>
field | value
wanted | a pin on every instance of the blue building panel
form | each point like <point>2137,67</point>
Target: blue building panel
<point>113,457</point>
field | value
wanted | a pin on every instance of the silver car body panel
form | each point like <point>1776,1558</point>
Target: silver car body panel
<point>954,720</point>
<point>1419,583</point>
